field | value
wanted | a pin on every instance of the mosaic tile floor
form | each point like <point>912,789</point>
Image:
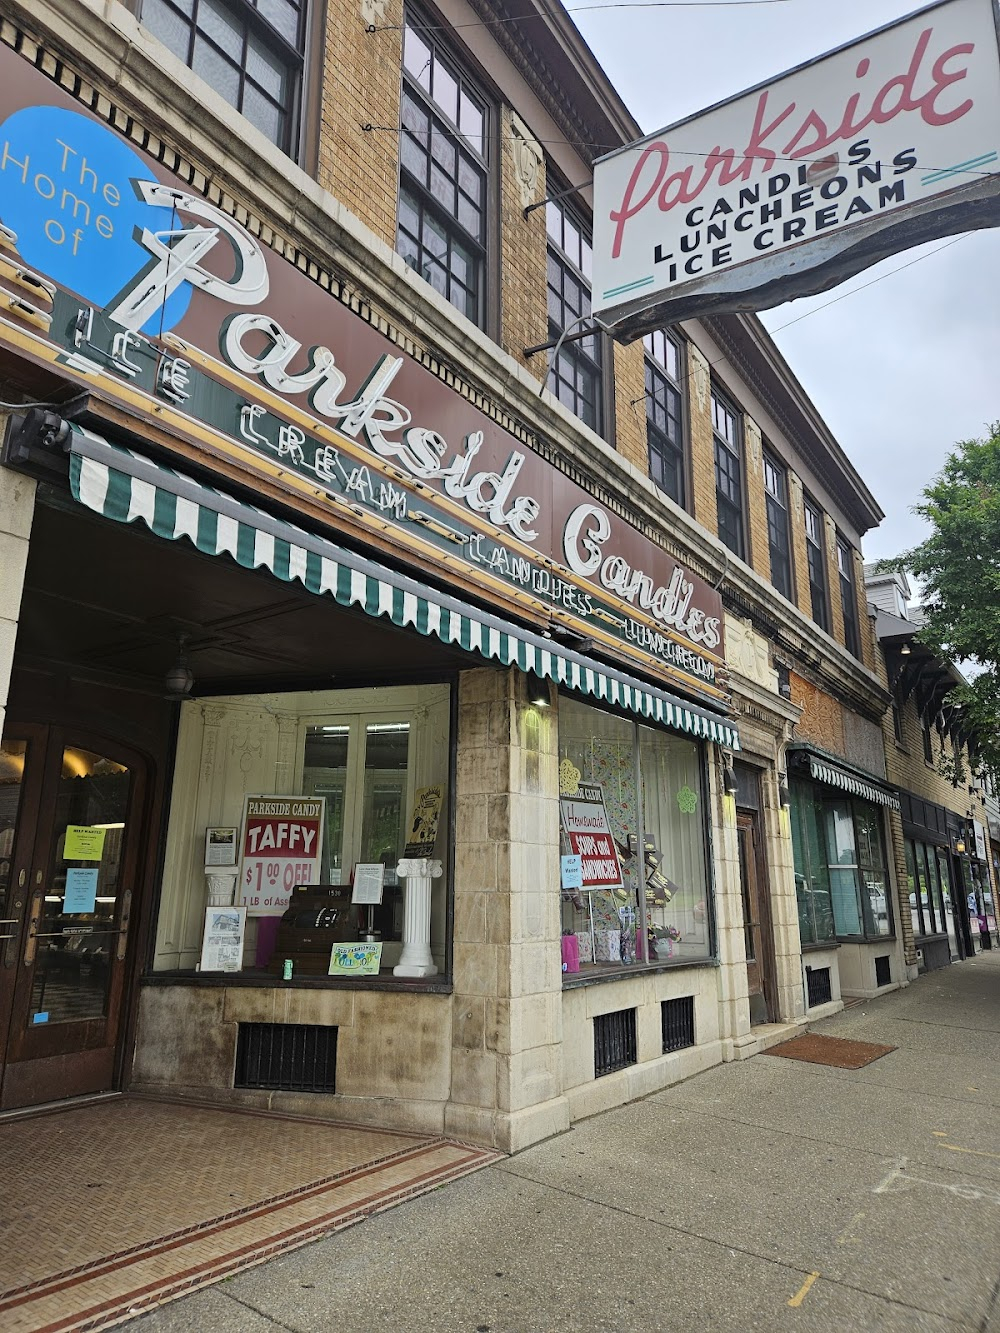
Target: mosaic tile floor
<point>119,1206</point>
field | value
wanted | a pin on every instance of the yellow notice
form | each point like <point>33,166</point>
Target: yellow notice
<point>84,842</point>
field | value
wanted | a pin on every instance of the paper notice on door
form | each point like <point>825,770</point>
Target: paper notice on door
<point>84,842</point>
<point>81,890</point>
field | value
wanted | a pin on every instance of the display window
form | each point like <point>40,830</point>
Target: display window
<point>635,886</point>
<point>841,875</point>
<point>317,784</point>
<point>930,890</point>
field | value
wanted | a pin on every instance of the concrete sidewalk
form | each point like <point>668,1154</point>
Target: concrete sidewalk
<point>767,1195</point>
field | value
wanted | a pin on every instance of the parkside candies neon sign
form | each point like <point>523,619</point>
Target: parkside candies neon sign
<point>736,207</point>
<point>87,214</point>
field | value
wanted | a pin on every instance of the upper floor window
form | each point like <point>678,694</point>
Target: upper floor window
<point>728,436</point>
<point>250,51</point>
<point>664,413</point>
<point>845,570</point>
<point>816,565</point>
<point>925,728</point>
<point>577,370</point>
<point>443,173</point>
<point>778,544</point>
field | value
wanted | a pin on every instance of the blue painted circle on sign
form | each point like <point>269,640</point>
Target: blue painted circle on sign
<point>67,188</point>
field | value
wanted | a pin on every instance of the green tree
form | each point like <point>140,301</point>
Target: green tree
<point>958,566</point>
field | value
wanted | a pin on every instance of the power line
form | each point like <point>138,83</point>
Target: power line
<point>854,290</point>
<point>575,9</point>
<point>369,126</point>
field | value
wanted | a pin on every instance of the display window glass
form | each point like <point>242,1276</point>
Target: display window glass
<point>362,758</point>
<point>841,874</point>
<point>645,787</point>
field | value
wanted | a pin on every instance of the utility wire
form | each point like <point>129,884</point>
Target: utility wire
<point>574,9</point>
<point>369,127</point>
<point>881,278</point>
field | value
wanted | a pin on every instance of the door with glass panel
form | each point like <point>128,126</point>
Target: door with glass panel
<point>68,854</point>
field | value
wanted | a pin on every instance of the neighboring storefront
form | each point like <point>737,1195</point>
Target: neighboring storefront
<point>843,886</point>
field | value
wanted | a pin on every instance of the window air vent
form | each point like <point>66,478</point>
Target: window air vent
<point>883,971</point>
<point>818,988</point>
<point>290,1057</point>
<point>614,1041</point>
<point>677,1019</point>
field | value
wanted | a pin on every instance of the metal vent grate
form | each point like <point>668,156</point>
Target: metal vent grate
<point>818,988</point>
<point>677,1020</point>
<point>883,971</point>
<point>614,1041</point>
<point>290,1057</point>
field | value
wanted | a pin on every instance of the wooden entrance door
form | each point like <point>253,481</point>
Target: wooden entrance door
<point>761,971</point>
<point>68,859</point>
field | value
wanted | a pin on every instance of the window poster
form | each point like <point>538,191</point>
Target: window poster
<point>281,847</point>
<point>424,822</point>
<point>585,822</point>
<point>222,943</point>
<point>84,842</point>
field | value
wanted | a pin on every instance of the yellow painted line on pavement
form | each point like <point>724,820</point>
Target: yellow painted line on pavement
<point>803,1291</point>
<point>973,1152</point>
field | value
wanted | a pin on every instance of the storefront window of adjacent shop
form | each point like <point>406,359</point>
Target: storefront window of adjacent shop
<point>812,875</point>
<point>841,876</point>
<point>645,786</point>
<point>930,891</point>
<point>249,51</point>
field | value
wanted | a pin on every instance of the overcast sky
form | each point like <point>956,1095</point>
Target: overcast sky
<point>901,370</point>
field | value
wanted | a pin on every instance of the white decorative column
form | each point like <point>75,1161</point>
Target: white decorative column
<point>419,875</point>
<point>221,882</point>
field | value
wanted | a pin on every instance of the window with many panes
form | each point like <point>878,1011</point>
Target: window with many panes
<point>728,437</point>
<point>443,173</point>
<point>816,565</point>
<point>576,371</point>
<point>845,571</point>
<point>250,51</point>
<point>778,543</point>
<point>664,413</point>
<point>841,872</point>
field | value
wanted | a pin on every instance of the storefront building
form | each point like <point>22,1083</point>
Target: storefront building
<point>946,888</point>
<point>385,739</point>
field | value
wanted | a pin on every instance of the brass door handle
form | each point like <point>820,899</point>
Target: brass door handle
<point>34,919</point>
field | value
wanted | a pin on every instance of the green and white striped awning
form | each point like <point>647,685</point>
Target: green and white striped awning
<point>822,770</point>
<point>127,487</point>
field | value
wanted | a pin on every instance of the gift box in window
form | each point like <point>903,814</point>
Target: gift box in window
<point>586,946</point>
<point>607,946</point>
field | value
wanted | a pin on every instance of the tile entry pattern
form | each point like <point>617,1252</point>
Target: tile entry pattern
<point>119,1206</point>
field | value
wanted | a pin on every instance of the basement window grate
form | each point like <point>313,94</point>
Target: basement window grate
<point>883,971</point>
<point>677,1021</point>
<point>286,1057</point>
<point>614,1042</point>
<point>818,987</point>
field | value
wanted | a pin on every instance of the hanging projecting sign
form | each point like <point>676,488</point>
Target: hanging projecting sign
<point>803,181</point>
<point>118,274</point>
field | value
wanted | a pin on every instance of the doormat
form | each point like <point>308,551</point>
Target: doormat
<point>815,1049</point>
